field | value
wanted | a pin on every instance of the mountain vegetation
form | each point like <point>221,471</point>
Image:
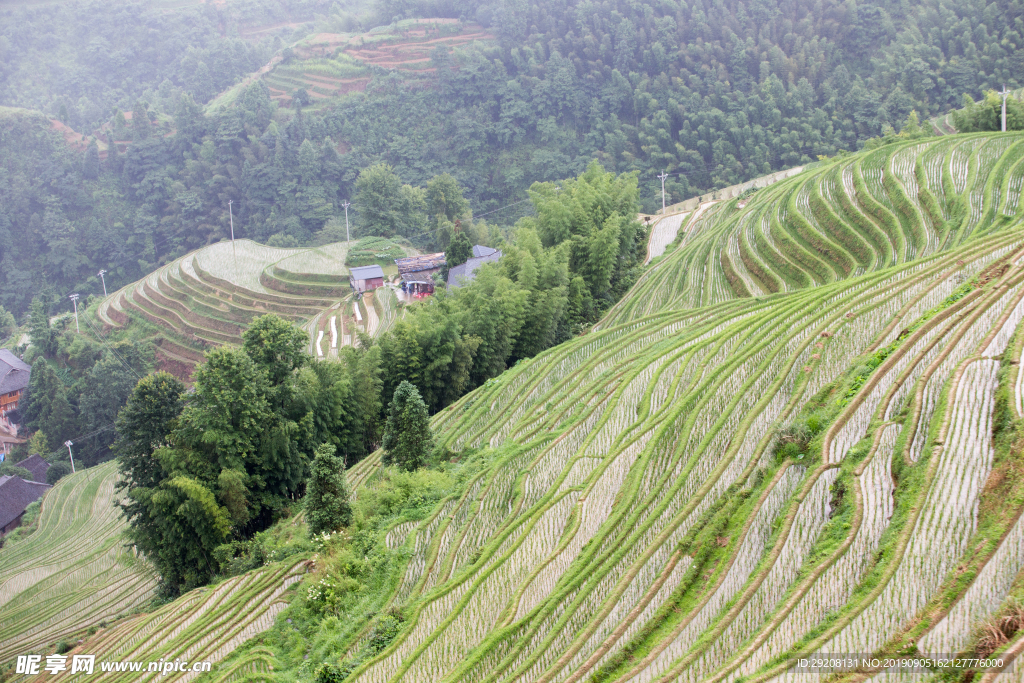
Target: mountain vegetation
<point>795,426</point>
<point>644,88</point>
<point>227,462</point>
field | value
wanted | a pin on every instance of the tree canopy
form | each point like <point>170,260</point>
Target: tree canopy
<point>227,459</point>
<point>408,440</point>
<point>326,501</point>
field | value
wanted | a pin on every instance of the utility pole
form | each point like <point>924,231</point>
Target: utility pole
<point>231,217</point>
<point>662,177</point>
<point>101,274</point>
<point>1004,93</point>
<point>69,444</point>
<point>346,204</point>
<point>74,300</point>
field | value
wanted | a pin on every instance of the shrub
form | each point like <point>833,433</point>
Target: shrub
<point>57,472</point>
<point>12,470</point>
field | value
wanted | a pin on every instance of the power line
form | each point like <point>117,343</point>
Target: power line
<point>502,208</point>
<point>89,435</point>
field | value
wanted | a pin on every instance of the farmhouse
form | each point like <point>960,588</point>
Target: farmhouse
<point>418,273</point>
<point>462,274</point>
<point>37,467</point>
<point>366,278</point>
<point>16,494</point>
<point>420,268</point>
<point>14,375</point>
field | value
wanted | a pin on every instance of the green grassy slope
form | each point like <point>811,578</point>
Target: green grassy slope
<point>73,572</point>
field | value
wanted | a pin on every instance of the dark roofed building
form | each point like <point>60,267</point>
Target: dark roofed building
<point>420,268</point>
<point>480,250</point>
<point>16,494</point>
<point>460,275</point>
<point>14,375</point>
<point>37,466</point>
<point>366,278</point>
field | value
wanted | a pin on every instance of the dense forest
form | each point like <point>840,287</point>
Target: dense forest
<point>708,91</point>
<point>80,61</point>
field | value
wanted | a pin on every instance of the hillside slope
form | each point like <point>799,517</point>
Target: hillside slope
<point>706,492</point>
<point>854,215</point>
<point>73,572</point>
<point>651,526</point>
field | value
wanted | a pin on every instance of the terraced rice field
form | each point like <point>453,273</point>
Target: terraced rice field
<point>663,233</point>
<point>202,626</point>
<point>714,482</point>
<point>209,296</point>
<point>643,527</point>
<point>73,572</point>
<point>332,65</point>
<point>850,216</point>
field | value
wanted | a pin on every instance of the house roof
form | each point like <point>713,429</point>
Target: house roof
<point>14,372</point>
<point>460,275</point>
<point>37,466</point>
<point>414,264</point>
<point>15,495</point>
<point>366,272</point>
<point>481,250</point>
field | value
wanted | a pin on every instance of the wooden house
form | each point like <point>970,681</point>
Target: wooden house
<point>14,376</point>
<point>366,278</point>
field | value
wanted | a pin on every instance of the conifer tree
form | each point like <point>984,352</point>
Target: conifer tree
<point>91,163</point>
<point>407,436</point>
<point>327,507</point>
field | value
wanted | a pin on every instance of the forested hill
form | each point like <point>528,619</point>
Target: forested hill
<point>711,92</point>
<point>80,60</point>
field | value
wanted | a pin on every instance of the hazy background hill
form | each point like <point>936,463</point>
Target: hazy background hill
<point>711,92</point>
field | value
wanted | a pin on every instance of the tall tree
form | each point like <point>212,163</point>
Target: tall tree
<point>459,251</point>
<point>91,161</point>
<point>444,198</point>
<point>144,425</point>
<point>408,440</point>
<point>41,333</point>
<point>326,501</point>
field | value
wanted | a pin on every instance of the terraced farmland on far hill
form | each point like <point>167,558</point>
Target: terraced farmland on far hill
<point>846,217</point>
<point>329,65</point>
<point>209,296</point>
